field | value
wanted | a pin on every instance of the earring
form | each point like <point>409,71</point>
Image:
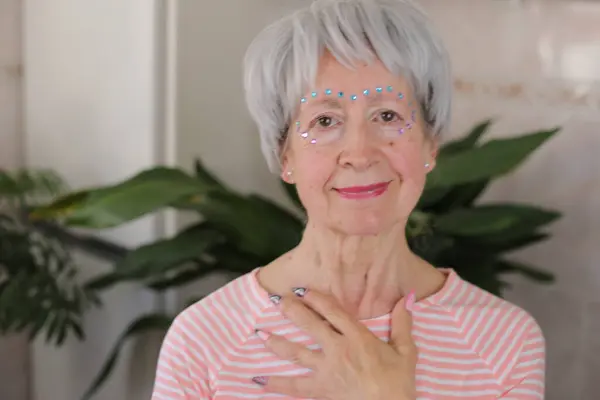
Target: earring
<point>426,165</point>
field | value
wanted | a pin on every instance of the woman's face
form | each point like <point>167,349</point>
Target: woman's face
<point>357,149</point>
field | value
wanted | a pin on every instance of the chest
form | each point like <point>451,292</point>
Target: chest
<point>445,369</point>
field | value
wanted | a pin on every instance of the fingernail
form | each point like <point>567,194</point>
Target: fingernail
<point>260,380</point>
<point>275,299</point>
<point>299,291</point>
<point>410,300</point>
<point>262,335</point>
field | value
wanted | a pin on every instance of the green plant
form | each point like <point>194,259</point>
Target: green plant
<point>38,289</point>
<point>240,232</point>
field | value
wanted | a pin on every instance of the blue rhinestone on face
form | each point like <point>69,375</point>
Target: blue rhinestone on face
<point>389,88</point>
<point>379,90</point>
<point>303,100</point>
<point>327,92</point>
<point>340,94</point>
<point>400,96</point>
<point>366,92</point>
<point>314,94</point>
<point>353,97</point>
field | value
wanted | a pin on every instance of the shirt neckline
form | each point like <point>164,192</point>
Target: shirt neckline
<point>259,295</point>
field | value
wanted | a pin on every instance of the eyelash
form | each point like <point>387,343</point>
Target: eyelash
<point>396,118</point>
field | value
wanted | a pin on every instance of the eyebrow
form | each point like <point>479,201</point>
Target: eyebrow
<point>336,104</point>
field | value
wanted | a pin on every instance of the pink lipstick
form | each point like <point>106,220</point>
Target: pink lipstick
<point>363,192</point>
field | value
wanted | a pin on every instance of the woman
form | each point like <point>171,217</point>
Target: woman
<point>350,97</point>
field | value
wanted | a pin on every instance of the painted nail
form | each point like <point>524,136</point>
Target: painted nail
<point>262,335</point>
<point>260,380</point>
<point>275,299</point>
<point>299,291</point>
<point>410,300</point>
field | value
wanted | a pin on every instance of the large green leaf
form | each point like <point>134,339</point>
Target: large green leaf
<point>494,220</point>
<point>468,142</point>
<point>525,270</point>
<point>154,260</point>
<point>258,226</point>
<point>112,206</point>
<point>205,176</point>
<point>144,324</point>
<point>491,160</point>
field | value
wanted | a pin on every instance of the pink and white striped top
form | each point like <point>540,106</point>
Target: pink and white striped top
<point>472,345</point>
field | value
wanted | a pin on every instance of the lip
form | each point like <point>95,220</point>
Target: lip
<point>363,192</point>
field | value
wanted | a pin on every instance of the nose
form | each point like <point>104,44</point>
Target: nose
<point>358,150</point>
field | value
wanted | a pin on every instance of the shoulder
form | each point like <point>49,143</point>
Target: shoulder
<point>221,321</point>
<point>502,333</point>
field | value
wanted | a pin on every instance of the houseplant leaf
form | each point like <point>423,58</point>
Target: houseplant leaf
<point>114,205</point>
<point>144,324</point>
<point>494,220</point>
<point>525,270</point>
<point>492,159</point>
<point>468,142</point>
<point>152,261</point>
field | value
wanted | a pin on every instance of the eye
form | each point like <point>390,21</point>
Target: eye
<point>389,116</point>
<point>325,122</point>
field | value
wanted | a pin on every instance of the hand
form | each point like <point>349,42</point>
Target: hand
<point>353,363</point>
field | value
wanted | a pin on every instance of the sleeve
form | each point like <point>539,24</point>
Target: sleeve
<point>526,380</point>
<point>182,371</point>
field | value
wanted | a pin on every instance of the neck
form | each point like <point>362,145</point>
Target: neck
<point>366,274</point>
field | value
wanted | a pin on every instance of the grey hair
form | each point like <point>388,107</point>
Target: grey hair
<point>283,59</point>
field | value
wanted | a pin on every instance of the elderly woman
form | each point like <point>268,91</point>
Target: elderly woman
<point>350,97</point>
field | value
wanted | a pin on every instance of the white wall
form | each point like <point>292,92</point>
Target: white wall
<point>14,349</point>
<point>533,64</point>
<point>92,112</point>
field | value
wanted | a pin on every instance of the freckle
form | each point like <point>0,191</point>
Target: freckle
<point>391,143</point>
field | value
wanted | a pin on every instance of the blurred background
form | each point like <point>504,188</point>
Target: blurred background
<point>98,91</point>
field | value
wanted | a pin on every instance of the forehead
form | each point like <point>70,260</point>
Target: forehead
<point>335,76</point>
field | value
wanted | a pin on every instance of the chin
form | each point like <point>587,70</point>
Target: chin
<point>362,225</point>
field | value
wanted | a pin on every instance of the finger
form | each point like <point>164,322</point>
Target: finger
<point>307,320</point>
<point>400,335</point>
<point>299,386</point>
<point>294,352</point>
<point>328,308</point>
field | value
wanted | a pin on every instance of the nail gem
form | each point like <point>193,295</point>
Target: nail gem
<point>275,299</point>
<point>300,292</point>
<point>260,380</point>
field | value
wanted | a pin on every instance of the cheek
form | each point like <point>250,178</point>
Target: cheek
<point>313,169</point>
<point>408,160</point>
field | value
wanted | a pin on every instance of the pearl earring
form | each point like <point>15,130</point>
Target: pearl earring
<point>426,165</point>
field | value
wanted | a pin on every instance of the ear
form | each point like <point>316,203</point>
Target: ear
<point>432,150</point>
<point>287,173</point>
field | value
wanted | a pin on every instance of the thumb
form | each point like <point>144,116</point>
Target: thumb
<point>400,336</point>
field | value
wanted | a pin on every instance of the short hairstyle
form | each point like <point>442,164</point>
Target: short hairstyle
<point>282,61</point>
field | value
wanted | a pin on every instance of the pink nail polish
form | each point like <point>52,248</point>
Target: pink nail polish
<point>260,380</point>
<point>410,300</point>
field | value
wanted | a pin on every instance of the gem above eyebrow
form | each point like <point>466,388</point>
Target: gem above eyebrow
<point>366,92</point>
<point>314,94</point>
<point>353,97</point>
<point>327,92</point>
<point>390,89</point>
<point>400,96</point>
<point>303,100</point>
<point>340,94</point>
<point>379,89</point>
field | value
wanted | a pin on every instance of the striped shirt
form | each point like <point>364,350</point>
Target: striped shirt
<point>471,345</point>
